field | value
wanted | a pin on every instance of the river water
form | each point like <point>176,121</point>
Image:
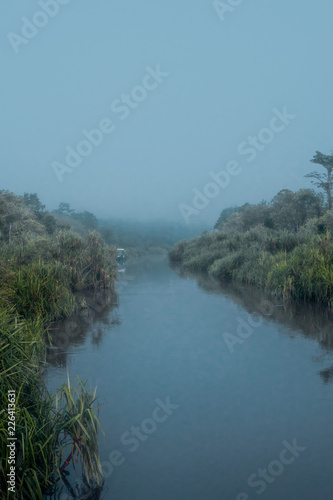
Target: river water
<point>207,392</point>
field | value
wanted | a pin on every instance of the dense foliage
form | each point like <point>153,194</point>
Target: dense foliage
<point>285,246</point>
<point>42,263</point>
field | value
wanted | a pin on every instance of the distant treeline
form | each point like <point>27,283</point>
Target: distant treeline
<point>140,238</point>
<point>137,237</point>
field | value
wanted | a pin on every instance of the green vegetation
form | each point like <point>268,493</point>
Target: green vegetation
<point>323,180</point>
<point>285,246</point>
<point>43,262</point>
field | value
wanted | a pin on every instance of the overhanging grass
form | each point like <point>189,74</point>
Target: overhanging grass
<point>45,425</point>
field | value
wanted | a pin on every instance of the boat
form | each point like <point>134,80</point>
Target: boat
<point>121,257</point>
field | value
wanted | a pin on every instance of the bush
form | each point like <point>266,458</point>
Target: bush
<point>224,268</point>
<point>202,262</point>
<point>177,252</point>
<point>293,264</point>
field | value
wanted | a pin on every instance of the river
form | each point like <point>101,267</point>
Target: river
<point>207,392</point>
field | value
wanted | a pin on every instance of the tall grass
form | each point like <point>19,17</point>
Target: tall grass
<point>39,275</point>
<point>44,289</point>
<point>79,432</point>
<point>45,425</point>
<point>295,265</point>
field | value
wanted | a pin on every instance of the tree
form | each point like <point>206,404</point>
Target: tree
<point>32,201</point>
<point>16,217</point>
<point>50,223</point>
<point>310,205</point>
<point>64,208</point>
<point>255,215</point>
<point>87,219</point>
<point>245,217</point>
<point>108,235</point>
<point>291,210</point>
<point>225,214</point>
<point>323,180</point>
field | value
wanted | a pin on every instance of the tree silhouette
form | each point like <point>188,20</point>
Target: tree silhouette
<point>323,180</point>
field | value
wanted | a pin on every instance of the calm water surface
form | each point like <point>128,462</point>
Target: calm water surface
<point>235,404</point>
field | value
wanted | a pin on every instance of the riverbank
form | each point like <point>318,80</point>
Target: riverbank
<point>294,264</point>
<point>43,264</point>
<point>289,265</point>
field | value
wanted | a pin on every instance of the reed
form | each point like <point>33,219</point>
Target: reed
<point>45,425</point>
<point>294,265</point>
<point>39,275</point>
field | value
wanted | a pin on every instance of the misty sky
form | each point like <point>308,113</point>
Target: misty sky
<point>202,86</point>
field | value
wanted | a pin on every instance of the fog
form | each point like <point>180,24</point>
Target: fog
<point>189,97</point>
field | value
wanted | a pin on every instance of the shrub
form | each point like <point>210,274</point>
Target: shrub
<point>294,264</point>
<point>177,252</point>
<point>224,268</point>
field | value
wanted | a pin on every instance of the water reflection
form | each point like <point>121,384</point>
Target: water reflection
<point>169,342</point>
<point>69,491</point>
<point>327,375</point>
<point>309,319</point>
<point>92,322</point>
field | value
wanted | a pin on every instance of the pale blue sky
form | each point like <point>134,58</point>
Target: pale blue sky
<point>224,80</point>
